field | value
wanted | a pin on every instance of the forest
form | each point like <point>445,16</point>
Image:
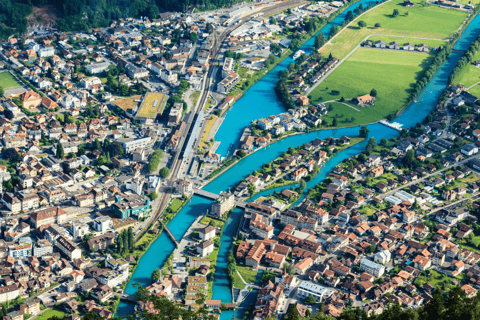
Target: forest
<point>81,15</point>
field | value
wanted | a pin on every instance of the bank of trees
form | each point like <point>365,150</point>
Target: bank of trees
<point>125,241</point>
<point>281,89</point>
<point>155,160</point>
<point>465,59</point>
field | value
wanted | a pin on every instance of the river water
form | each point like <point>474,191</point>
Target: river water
<point>261,101</point>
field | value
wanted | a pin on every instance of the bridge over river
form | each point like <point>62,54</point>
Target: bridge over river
<point>214,196</point>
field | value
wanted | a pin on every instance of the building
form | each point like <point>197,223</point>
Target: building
<point>131,205</point>
<point>136,72</point>
<point>372,268</point>
<point>207,233</point>
<point>131,146</point>
<point>228,83</point>
<point>98,67</point>
<point>53,215</point>
<point>102,224</point>
<point>101,242</point>
<point>8,293</point>
<point>383,257</point>
<point>205,248</point>
<point>224,203</point>
<point>309,289</point>
<point>30,99</point>
<point>68,248</point>
<point>175,114</point>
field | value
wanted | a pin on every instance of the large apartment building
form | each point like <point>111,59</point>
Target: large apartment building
<point>224,203</point>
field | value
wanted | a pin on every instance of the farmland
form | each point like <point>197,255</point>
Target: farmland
<point>421,21</point>
<point>390,72</point>
<point>468,76</point>
<point>148,108</point>
<point>8,81</point>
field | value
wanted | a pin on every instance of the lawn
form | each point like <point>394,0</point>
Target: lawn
<point>211,221</point>
<point>436,279</point>
<point>176,203</point>
<point>237,282</point>
<point>475,90</point>
<point>51,313</point>
<point>474,2</point>
<point>8,81</point>
<point>148,108</point>
<point>391,73</point>
<point>248,274</point>
<point>422,21</point>
<point>468,76</point>
<point>206,132</point>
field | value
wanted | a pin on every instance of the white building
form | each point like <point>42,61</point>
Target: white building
<point>309,289</point>
<point>98,67</point>
<point>103,224</point>
<point>383,257</point>
<point>372,268</point>
<point>130,146</point>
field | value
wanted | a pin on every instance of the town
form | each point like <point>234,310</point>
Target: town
<point>119,185</point>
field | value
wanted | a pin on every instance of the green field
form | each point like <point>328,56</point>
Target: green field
<point>468,76</point>
<point>474,2</point>
<point>475,90</point>
<point>51,313</point>
<point>8,81</point>
<point>390,72</point>
<point>422,21</point>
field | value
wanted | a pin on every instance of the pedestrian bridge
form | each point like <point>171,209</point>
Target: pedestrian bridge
<point>214,196</point>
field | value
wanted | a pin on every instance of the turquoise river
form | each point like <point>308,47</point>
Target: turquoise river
<point>261,101</point>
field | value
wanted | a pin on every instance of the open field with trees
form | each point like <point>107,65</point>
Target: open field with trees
<point>390,73</point>
<point>468,76</point>
<point>422,21</point>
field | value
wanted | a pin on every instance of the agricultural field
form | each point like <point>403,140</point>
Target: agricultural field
<point>421,21</point>
<point>475,90</point>
<point>127,104</point>
<point>8,81</point>
<point>468,76</point>
<point>390,72</point>
<point>148,108</point>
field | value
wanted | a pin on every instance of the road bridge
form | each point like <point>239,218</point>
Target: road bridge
<point>214,196</point>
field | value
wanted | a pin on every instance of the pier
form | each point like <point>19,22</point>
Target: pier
<point>394,125</point>
<point>214,196</point>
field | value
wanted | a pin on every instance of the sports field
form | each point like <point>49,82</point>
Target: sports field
<point>8,81</point>
<point>389,72</point>
<point>468,76</point>
<point>421,21</point>
<point>148,109</point>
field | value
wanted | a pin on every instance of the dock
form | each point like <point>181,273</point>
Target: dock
<point>393,125</point>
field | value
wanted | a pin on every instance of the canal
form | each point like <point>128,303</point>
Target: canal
<point>261,101</point>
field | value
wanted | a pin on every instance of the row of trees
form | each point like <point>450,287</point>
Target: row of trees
<point>465,59</point>
<point>155,160</point>
<point>125,241</point>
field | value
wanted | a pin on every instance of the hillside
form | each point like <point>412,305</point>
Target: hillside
<point>73,15</point>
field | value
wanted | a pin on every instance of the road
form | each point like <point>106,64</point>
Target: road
<point>403,186</point>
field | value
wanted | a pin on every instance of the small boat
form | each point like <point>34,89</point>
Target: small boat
<point>298,54</point>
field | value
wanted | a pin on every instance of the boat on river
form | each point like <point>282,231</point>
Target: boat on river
<point>298,54</point>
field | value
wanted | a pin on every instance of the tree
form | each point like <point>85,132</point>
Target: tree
<point>164,172</point>
<point>383,142</point>
<point>377,25</point>
<point>251,188</point>
<point>153,195</point>
<point>193,37</point>
<point>241,153</point>
<point>292,313</point>
<point>60,154</point>
<point>156,274</point>
<point>131,238</point>
<point>9,114</point>
<point>209,27</point>
<point>303,185</point>
<point>362,24</point>
<point>371,145</point>
<point>2,91</point>
<point>334,122</point>
<point>97,145</point>
<point>364,132</point>
<point>373,93</point>
<point>395,13</point>
<point>310,300</point>
<point>370,249</point>
<point>10,154</point>
<point>273,21</point>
